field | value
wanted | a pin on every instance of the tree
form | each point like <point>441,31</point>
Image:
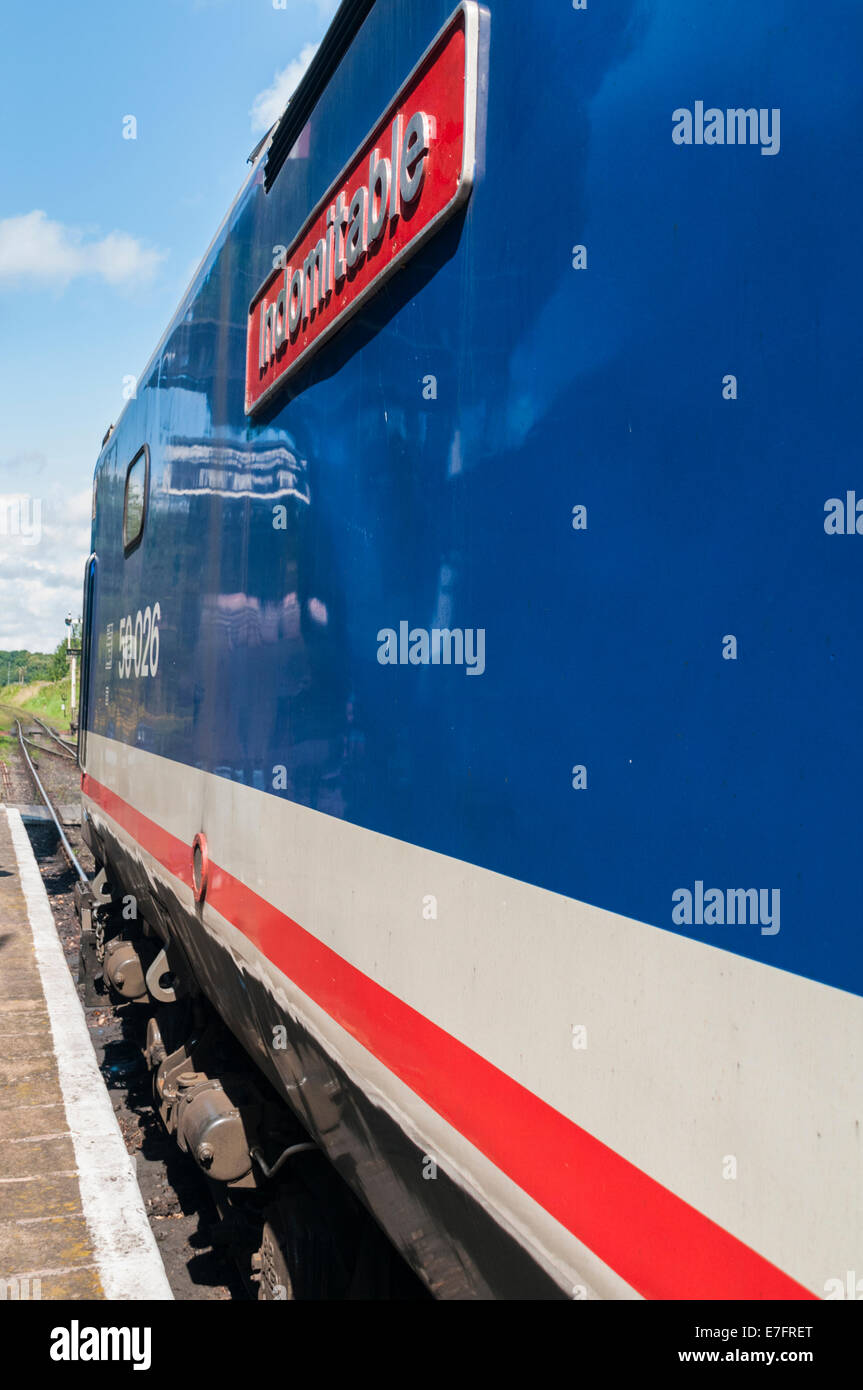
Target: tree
<point>59,662</point>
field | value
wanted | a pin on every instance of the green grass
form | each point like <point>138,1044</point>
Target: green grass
<point>43,698</point>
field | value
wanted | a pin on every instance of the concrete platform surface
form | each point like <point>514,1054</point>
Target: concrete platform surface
<point>72,1221</point>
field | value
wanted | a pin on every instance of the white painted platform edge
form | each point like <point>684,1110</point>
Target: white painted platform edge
<point>126,1254</point>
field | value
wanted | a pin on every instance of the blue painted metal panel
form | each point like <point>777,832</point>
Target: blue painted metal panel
<point>555,387</point>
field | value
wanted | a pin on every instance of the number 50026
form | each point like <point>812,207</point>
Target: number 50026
<point>139,643</point>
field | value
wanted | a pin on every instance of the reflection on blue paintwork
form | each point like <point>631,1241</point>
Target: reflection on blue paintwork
<point>553,387</point>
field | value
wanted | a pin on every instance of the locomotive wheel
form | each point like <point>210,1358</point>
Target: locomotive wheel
<point>301,1256</point>
<point>320,1245</point>
<point>271,1268</point>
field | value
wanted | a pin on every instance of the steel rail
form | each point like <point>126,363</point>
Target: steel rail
<point>44,748</point>
<point>67,848</point>
<point>67,747</point>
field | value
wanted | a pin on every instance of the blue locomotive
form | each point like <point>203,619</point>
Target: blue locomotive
<point>471,658</point>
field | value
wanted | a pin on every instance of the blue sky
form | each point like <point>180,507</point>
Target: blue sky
<point>99,235</point>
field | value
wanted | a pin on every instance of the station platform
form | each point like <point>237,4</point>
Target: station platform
<point>72,1220</point>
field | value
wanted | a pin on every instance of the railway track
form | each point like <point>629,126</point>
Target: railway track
<point>70,854</point>
<point>198,1260</point>
<point>45,748</point>
<point>58,745</point>
<point>67,747</point>
<point>26,739</point>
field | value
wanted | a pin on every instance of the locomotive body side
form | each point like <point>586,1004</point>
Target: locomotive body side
<point>502,904</point>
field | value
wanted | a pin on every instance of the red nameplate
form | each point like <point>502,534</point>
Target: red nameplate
<point>411,173</point>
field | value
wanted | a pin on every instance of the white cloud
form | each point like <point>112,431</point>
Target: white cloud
<point>44,542</point>
<point>270,103</point>
<point>33,248</point>
<point>23,465</point>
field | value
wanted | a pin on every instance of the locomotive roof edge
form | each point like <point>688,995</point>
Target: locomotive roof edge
<point>189,295</point>
<point>332,48</point>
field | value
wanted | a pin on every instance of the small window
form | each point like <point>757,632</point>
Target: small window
<point>135,502</point>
